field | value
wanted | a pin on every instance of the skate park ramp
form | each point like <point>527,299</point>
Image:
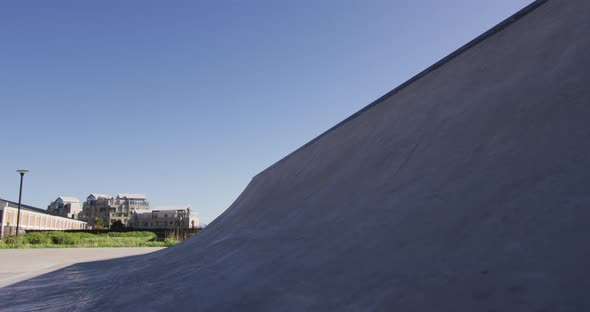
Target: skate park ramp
<point>465,189</point>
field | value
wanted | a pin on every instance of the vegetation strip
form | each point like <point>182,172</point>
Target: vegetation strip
<point>57,239</point>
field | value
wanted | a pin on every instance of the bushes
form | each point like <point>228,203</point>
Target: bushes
<point>132,234</point>
<point>55,238</point>
<point>13,240</point>
<point>38,238</point>
<point>64,238</point>
<point>159,241</point>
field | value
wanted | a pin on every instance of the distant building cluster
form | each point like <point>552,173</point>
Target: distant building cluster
<point>123,210</point>
<point>105,210</point>
<point>98,211</point>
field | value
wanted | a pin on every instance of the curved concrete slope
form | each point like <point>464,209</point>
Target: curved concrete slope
<point>466,190</point>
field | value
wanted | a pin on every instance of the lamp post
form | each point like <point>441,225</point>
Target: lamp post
<point>20,194</point>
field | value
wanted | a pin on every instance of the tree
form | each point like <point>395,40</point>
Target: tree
<point>97,223</point>
<point>117,225</point>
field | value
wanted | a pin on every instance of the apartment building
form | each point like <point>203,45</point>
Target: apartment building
<point>172,217</point>
<point>65,206</point>
<point>108,209</point>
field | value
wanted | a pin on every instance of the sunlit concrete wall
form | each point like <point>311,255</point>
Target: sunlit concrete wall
<point>33,220</point>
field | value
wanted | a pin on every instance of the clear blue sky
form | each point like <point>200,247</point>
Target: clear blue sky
<point>186,101</point>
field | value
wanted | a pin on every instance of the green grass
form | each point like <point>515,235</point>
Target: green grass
<point>81,240</point>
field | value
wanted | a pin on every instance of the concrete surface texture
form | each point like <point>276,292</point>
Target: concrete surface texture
<point>21,264</point>
<point>466,190</point>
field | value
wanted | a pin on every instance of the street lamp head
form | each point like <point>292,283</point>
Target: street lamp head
<point>22,171</point>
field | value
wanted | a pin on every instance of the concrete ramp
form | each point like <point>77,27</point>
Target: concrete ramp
<point>465,189</point>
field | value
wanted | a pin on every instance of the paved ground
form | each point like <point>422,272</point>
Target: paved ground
<point>22,264</point>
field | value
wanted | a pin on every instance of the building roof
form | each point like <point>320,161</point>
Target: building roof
<point>22,206</point>
<point>96,195</point>
<point>170,208</point>
<point>131,196</point>
<point>69,199</point>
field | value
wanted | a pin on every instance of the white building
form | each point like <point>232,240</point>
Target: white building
<point>65,206</point>
<point>170,217</point>
<point>32,218</point>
